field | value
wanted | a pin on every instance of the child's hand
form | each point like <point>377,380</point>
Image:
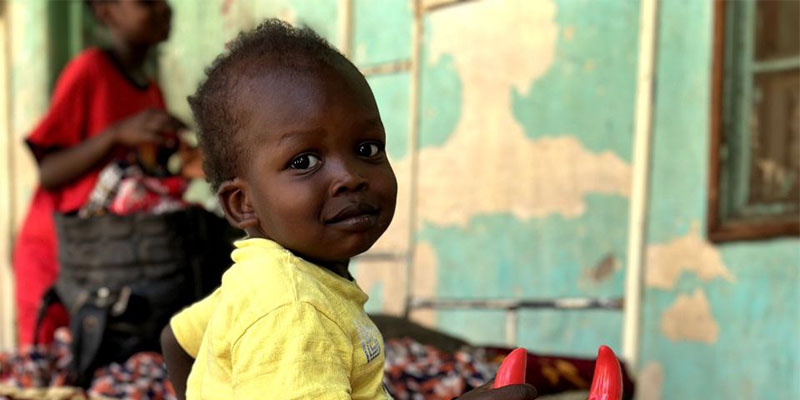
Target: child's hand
<point>148,126</point>
<point>511,392</point>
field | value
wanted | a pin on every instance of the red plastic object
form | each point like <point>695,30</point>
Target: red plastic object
<point>607,380</point>
<point>512,370</point>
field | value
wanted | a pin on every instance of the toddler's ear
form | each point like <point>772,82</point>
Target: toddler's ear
<point>236,204</point>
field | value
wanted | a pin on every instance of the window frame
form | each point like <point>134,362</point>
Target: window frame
<point>720,226</point>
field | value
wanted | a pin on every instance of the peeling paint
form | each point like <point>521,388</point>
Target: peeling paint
<point>604,269</point>
<point>556,173</point>
<point>589,90</point>
<point>552,176</point>
<point>381,31</point>
<point>757,352</point>
<point>499,256</point>
<point>690,318</point>
<point>425,281</point>
<point>650,381</point>
<point>485,62</point>
<point>691,253</point>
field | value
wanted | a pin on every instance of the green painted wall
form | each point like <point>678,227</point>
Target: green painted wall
<point>756,354</point>
<point>498,255</point>
<point>589,88</point>
<point>381,31</point>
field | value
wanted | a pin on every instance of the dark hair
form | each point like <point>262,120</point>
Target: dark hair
<point>273,44</point>
<point>90,5</point>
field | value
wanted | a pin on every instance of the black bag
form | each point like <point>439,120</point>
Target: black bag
<point>123,277</point>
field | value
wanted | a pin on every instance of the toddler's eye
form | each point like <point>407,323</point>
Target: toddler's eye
<point>369,149</point>
<point>305,161</point>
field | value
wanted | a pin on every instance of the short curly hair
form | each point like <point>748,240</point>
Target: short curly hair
<point>273,43</point>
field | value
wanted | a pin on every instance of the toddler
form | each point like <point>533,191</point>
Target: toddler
<point>295,149</point>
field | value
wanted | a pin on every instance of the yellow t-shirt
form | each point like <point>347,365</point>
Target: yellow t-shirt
<point>280,327</point>
<point>190,324</point>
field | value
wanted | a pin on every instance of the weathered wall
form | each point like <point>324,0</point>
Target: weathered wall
<point>524,180</point>
<point>719,321</point>
<point>525,153</point>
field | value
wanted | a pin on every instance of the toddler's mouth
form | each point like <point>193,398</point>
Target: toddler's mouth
<point>354,211</point>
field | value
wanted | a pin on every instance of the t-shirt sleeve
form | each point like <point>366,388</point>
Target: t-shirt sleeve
<point>294,352</point>
<point>65,122</point>
<point>189,325</point>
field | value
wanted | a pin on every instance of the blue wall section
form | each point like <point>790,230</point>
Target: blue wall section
<point>499,257</point>
<point>440,102</point>
<point>587,94</point>
<point>391,93</point>
<point>381,31</point>
<point>757,352</point>
<point>589,90</point>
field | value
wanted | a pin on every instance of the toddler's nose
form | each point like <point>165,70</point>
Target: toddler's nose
<point>347,178</point>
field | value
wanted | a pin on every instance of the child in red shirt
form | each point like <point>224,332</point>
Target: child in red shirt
<point>103,107</point>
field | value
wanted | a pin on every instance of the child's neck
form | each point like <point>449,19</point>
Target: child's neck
<point>340,267</point>
<point>337,267</point>
<point>131,59</point>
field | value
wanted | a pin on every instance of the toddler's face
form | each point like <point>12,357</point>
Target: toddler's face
<point>318,178</point>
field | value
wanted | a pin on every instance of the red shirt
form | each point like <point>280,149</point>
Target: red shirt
<point>91,94</point>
